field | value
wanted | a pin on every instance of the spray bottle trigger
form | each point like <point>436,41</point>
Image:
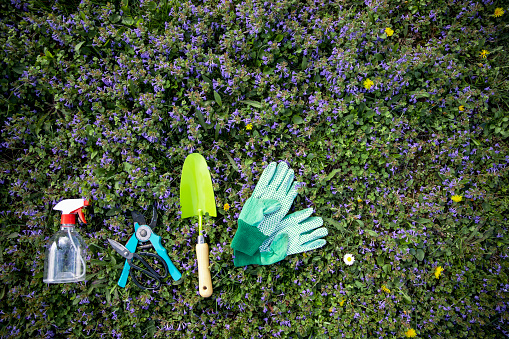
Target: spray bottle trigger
<point>81,216</point>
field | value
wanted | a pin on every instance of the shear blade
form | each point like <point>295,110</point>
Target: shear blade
<point>138,217</point>
<point>153,222</point>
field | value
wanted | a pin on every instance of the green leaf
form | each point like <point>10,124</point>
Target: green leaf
<point>232,162</point>
<point>113,17</point>
<point>380,260</point>
<point>304,63</point>
<point>332,174</point>
<point>152,5</point>
<point>362,107</point>
<point>419,254</point>
<point>127,166</point>
<point>108,297</point>
<point>279,37</point>
<point>201,120</point>
<point>335,223</point>
<point>360,222</point>
<point>2,292</point>
<point>420,94</point>
<point>386,268</point>
<point>112,211</point>
<point>78,46</point>
<point>359,284</point>
<point>424,221</point>
<point>296,119</point>
<point>128,21</point>
<point>19,69</point>
<point>255,104</point>
<point>48,53</point>
<point>13,235</point>
<point>372,233</point>
<point>130,83</point>
<point>217,97</point>
<point>206,79</point>
<point>407,299</point>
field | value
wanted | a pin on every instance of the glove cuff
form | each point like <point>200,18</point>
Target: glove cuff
<point>248,238</point>
<point>242,259</point>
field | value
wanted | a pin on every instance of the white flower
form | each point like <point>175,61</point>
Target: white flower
<point>348,259</point>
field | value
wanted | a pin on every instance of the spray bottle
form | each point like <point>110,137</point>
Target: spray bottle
<point>66,249</point>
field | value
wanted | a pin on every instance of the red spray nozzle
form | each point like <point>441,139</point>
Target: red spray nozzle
<point>69,208</point>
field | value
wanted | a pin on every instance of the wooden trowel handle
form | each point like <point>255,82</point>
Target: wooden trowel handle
<point>202,254</point>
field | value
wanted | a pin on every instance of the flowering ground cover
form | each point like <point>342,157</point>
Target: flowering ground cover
<point>392,113</point>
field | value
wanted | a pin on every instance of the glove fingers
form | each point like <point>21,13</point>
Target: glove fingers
<point>298,217</point>
<point>285,186</point>
<point>265,179</point>
<point>309,225</point>
<point>314,245</point>
<point>270,206</point>
<point>293,187</point>
<point>277,179</point>
<point>316,234</point>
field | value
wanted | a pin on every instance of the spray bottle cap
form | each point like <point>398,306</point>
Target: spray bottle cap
<point>69,208</point>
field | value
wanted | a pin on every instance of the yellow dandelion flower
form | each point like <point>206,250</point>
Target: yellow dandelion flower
<point>359,200</point>
<point>389,31</point>
<point>410,333</point>
<point>385,289</point>
<point>342,302</point>
<point>484,53</point>
<point>330,310</point>
<point>438,271</point>
<point>368,84</point>
<point>457,198</point>
<point>249,127</point>
<point>226,207</point>
<point>461,108</point>
<point>498,12</point>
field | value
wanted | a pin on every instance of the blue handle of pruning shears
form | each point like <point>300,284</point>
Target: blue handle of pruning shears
<point>131,246</point>
<point>156,242</point>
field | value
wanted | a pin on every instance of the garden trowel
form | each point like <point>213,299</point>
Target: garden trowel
<point>196,199</point>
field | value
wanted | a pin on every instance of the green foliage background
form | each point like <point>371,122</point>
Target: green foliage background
<point>104,101</point>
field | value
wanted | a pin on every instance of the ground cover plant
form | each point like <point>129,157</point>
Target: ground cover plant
<point>392,113</point>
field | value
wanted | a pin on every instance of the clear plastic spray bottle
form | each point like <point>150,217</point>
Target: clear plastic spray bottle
<point>66,249</point>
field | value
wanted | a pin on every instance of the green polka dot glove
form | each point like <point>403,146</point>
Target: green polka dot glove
<point>297,232</point>
<point>262,213</point>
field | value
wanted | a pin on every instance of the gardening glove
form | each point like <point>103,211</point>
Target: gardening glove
<point>297,232</point>
<point>277,252</point>
<point>263,211</point>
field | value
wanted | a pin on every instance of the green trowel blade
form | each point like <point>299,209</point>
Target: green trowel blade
<point>196,192</point>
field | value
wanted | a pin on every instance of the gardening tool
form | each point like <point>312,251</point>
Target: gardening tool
<point>144,233</point>
<point>149,271</point>
<point>196,199</point>
<point>64,261</point>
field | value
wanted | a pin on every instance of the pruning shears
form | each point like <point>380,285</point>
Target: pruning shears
<point>147,269</point>
<point>144,233</point>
